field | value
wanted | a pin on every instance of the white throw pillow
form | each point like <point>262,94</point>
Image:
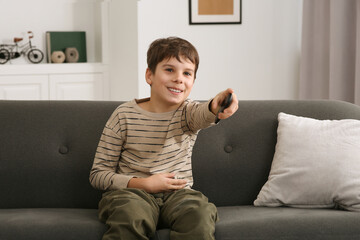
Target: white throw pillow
<point>316,164</point>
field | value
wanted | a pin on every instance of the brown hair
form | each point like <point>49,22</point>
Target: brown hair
<point>165,48</point>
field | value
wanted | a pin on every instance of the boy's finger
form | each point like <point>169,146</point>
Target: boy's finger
<point>228,91</point>
<point>178,182</point>
<point>170,175</point>
<point>177,187</point>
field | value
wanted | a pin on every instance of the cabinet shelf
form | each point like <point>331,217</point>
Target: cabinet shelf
<point>62,68</point>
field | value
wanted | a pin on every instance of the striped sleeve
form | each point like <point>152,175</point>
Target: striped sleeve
<point>198,116</point>
<point>103,174</point>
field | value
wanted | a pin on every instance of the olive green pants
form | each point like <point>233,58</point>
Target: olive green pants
<point>135,214</point>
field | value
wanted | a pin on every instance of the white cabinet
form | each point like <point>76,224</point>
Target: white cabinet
<point>76,87</point>
<point>54,82</point>
<point>33,87</point>
<point>53,86</point>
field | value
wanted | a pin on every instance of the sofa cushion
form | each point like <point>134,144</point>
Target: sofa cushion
<point>54,224</point>
<point>238,222</point>
<point>262,223</point>
<point>250,222</point>
<point>316,164</point>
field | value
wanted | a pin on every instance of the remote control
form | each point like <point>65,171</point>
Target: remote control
<point>225,104</point>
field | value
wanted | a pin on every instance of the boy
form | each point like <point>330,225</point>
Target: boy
<point>143,159</point>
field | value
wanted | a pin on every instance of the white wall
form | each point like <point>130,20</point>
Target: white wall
<point>259,59</point>
<point>123,38</point>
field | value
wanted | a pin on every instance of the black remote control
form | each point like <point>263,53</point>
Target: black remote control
<point>225,104</point>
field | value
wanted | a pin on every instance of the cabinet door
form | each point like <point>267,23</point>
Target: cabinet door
<point>24,87</point>
<point>76,86</point>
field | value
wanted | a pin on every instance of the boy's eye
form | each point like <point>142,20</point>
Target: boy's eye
<point>169,69</point>
<point>187,74</point>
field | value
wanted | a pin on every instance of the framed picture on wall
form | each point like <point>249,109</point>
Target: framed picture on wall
<point>215,11</point>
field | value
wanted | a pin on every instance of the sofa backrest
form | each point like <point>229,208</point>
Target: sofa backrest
<point>232,161</point>
<point>47,150</point>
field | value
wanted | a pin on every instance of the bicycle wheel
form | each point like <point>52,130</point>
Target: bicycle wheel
<point>4,55</point>
<point>35,55</point>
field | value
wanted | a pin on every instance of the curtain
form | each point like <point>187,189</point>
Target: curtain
<point>330,55</point>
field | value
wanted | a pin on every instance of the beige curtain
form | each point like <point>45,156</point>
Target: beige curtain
<point>330,57</point>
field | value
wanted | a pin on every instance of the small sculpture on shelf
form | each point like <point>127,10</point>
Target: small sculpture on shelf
<point>11,51</point>
<point>71,55</point>
<point>58,57</point>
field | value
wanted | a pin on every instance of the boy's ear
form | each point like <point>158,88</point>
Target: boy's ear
<point>148,76</point>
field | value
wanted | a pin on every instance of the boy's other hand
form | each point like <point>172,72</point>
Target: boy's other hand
<point>218,100</point>
<point>162,182</point>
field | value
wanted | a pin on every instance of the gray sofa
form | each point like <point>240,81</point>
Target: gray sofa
<point>47,150</point>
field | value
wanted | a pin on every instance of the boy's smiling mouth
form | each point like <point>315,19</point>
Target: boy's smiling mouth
<point>175,90</point>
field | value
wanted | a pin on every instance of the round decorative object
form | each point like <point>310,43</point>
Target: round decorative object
<point>72,55</point>
<point>57,57</point>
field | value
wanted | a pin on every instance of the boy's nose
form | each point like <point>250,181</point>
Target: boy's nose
<point>178,78</point>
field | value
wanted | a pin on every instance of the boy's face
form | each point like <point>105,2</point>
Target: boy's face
<point>171,83</point>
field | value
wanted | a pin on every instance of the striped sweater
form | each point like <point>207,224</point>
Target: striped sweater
<point>138,143</point>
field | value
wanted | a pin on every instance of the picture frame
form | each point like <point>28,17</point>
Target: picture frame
<point>215,12</point>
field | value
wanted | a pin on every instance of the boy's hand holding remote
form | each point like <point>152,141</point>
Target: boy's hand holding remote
<point>219,100</point>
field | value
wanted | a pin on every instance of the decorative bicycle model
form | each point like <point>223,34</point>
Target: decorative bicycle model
<point>11,51</point>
